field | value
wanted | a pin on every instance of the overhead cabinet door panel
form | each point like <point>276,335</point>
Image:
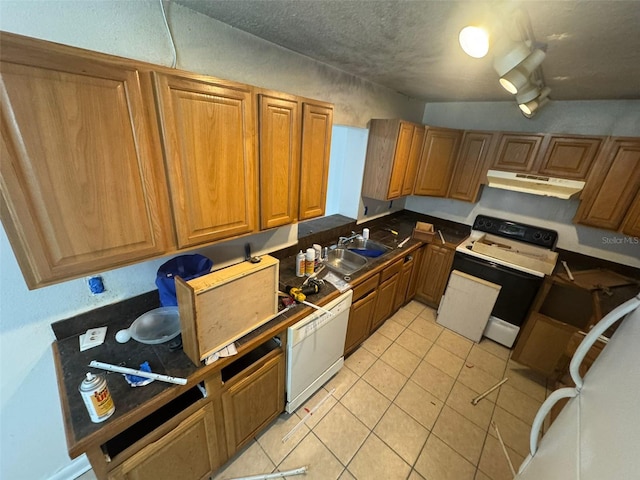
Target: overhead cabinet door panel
<point>79,170</point>
<point>208,136</point>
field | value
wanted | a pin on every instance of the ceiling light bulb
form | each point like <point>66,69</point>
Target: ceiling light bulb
<point>474,41</point>
<point>528,108</point>
<point>514,80</point>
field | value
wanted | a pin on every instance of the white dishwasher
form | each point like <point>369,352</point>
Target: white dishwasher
<point>315,350</point>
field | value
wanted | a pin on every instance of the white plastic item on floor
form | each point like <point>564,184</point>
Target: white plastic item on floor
<point>467,304</point>
<point>597,433</point>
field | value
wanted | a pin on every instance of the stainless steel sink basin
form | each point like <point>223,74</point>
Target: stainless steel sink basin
<point>367,247</point>
<point>344,261</point>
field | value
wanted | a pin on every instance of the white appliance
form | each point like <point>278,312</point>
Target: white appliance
<point>315,349</point>
<point>535,184</point>
<point>597,433</point>
<point>526,256</point>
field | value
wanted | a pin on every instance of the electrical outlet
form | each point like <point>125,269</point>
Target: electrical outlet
<point>96,285</point>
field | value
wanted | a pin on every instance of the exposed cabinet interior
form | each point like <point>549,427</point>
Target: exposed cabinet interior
<point>612,186</point>
<point>279,152</point>
<point>393,152</point>
<point>317,121</point>
<point>81,171</point>
<point>208,139</point>
<point>437,161</point>
<point>476,152</point>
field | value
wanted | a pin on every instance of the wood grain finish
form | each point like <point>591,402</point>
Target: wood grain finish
<point>413,283</point>
<point>631,223</point>
<point>612,185</point>
<point>437,161</point>
<point>80,172</point>
<point>359,326</point>
<point>517,152</point>
<point>400,160</point>
<point>253,402</point>
<point>208,137</point>
<point>402,293</point>
<point>569,157</point>
<point>279,133</point>
<point>188,451</point>
<point>471,165</point>
<point>317,121</point>
<point>385,301</point>
<point>417,142</point>
<point>434,272</point>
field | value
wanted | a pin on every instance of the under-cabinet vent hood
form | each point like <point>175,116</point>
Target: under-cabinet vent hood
<point>535,184</point>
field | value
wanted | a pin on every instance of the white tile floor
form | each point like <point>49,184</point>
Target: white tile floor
<point>402,410</point>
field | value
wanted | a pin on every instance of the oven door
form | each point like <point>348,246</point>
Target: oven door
<point>518,291</point>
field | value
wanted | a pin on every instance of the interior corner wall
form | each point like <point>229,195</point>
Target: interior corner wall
<point>32,442</point>
<point>617,118</point>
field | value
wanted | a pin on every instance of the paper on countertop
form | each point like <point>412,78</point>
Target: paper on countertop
<point>92,338</point>
<point>227,351</point>
<point>337,282</point>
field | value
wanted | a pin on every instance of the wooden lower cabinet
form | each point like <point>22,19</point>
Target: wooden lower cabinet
<point>252,402</point>
<point>402,292</point>
<point>190,451</point>
<point>386,294</point>
<point>435,267</point>
<point>359,325</point>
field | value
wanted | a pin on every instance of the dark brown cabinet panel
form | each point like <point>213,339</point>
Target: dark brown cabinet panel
<point>471,165</point>
<point>612,185</point>
<point>384,302</point>
<point>360,318</point>
<point>437,161</point>
<point>631,224</point>
<point>435,267</point>
<point>517,152</point>
<point>402,292</point>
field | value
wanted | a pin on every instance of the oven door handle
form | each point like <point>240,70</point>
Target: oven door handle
<point>497,266</point>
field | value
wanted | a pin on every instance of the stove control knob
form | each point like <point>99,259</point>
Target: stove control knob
<point>547,238</point>
<point>488,224</point>
<point>537,235</point>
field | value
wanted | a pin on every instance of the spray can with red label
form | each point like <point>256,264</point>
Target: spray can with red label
<point>96,396</point>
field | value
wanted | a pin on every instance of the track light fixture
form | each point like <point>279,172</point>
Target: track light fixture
<point>516,61</point>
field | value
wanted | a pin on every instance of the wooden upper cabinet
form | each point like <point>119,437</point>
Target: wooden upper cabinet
<point>417,141</point>
<point>317,121</point>
<point>208,134</point>
<point>393,152</point>
<point>612,186</point>
<point>569,156</point>
<point>279,139</point>
<point>80,172</point>
<point>437,161</point>
<point>631,223</point>
<point>517,152</point>
<point>471,165</point>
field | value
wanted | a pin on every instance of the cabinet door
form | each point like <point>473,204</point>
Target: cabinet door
<point>384,303</point>
<point>317,122</point>
<point>251,403</point>
<point>81,175</point>
<point>631,224</point>
<point>413,282</point>
<point>208,136</point>
<point>400,160</point>
<point>360,318</point>
<point>279,124</point>
<point>471,166</point>
<point>417,141</point>
<point>569,157</point>
<point>544,344</point>
<point>434,272</point>
<point>404,279</point>
<point>190,451</point>
<point>612,185</point>
<point>517,152</point>
<point>436,162</point>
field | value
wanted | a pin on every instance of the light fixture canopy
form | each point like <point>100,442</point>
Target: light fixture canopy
<point>474,41</point>
<point>514,80</point>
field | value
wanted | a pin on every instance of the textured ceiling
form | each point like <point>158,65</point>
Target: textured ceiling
<point>410,46</point>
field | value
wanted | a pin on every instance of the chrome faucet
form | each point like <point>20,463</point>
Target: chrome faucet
<point>342,241</point>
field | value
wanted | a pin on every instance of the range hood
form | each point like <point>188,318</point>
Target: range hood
<point>535,184</point>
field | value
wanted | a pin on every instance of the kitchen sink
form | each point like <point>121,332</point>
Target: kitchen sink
<point>344,261</point>
<point>367,247</point>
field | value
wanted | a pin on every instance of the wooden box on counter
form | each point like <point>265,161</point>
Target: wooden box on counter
<point>220,307</point>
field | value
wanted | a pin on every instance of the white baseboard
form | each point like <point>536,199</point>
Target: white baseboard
<point>77,467</point>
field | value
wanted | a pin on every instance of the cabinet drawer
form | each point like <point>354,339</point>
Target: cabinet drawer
<point>365,287</point>
<point>390,271</point>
